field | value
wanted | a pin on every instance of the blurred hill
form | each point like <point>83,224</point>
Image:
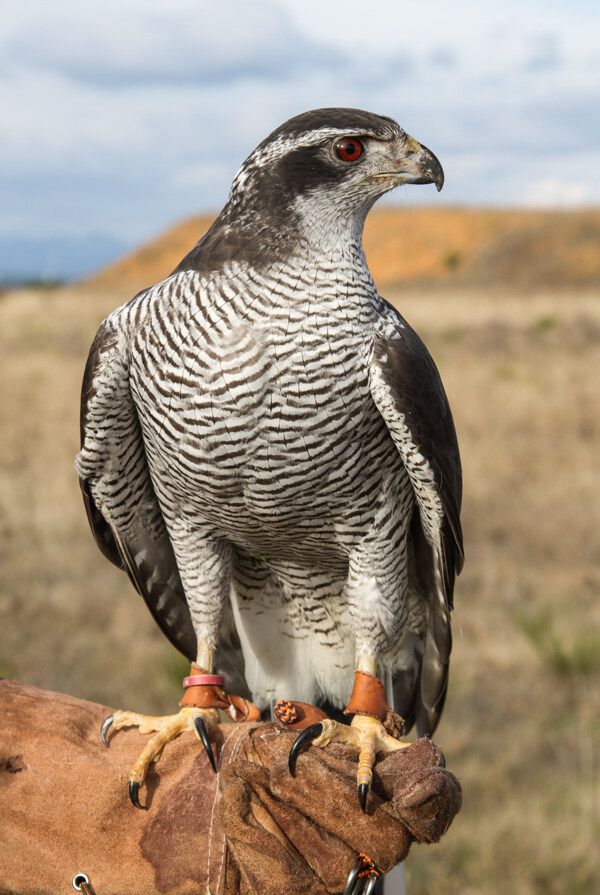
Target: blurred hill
<point>423,246</point>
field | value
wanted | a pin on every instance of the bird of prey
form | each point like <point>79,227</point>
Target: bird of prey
<point>268,451</point>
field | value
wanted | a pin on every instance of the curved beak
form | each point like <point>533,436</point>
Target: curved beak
<point>415,164</point>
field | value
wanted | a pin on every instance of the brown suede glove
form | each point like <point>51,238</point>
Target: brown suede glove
<point>317,812</point>
<point>250,829</point>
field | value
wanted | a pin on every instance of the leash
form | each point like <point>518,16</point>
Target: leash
<point>81,883</point>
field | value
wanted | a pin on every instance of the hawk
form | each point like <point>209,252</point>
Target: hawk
<point>268,451</point>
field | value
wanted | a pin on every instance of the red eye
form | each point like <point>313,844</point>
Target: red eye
<point>348,149</point>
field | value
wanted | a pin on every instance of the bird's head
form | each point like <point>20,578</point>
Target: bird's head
<point>312,182</point>
<point>329,165</point>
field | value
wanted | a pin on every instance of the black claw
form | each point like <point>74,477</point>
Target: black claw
<point>301,742</point>
<point>201,728</point>
<point>134,795</point>
<point>105,726</point>
<point>360,885</point>
<point>363,792</point>
<point>349,889</point>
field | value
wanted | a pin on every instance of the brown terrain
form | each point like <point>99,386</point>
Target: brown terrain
<point>422,246</point>
<point>509,305</point>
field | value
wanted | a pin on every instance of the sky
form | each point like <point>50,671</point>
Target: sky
<point>121,117</point>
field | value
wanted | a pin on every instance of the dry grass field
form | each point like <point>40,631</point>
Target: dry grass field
<point>522,722</point>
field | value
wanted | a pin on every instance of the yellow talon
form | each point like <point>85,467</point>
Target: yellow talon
<point>165,729</point>
<point>370,736</point>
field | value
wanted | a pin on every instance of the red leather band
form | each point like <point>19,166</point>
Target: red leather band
<point>199,680</point>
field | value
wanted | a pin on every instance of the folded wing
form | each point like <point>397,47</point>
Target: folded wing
<point>409,394</point>
<point>122,507</point>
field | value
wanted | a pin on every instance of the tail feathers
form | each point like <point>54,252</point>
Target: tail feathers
<point>153,572</point>
<point>436,584</point>
<point>434,672</point>
<point>405,680</point>
<point>419,685</point>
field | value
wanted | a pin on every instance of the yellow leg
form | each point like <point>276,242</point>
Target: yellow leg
<point>166,728</point>
<point>366,664</point>
<point>205,656</point>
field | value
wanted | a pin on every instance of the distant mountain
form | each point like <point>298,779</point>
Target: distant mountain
<point>51,258</point>
<point>425,246</point>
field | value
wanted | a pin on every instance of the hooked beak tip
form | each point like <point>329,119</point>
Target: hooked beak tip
<point>430,166</point>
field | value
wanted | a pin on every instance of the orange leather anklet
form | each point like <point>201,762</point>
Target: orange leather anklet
<point>213,696</point>
<point>368,697</point>
<point>297,715</point>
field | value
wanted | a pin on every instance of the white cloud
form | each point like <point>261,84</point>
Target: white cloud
<point>552,192</point>
<point>117,43</point>
<point>123,115</point>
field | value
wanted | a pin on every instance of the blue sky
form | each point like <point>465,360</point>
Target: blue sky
<point>120,117</point>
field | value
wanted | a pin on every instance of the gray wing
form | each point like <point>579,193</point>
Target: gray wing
<point>409,394</point>
<point>122,507</point>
